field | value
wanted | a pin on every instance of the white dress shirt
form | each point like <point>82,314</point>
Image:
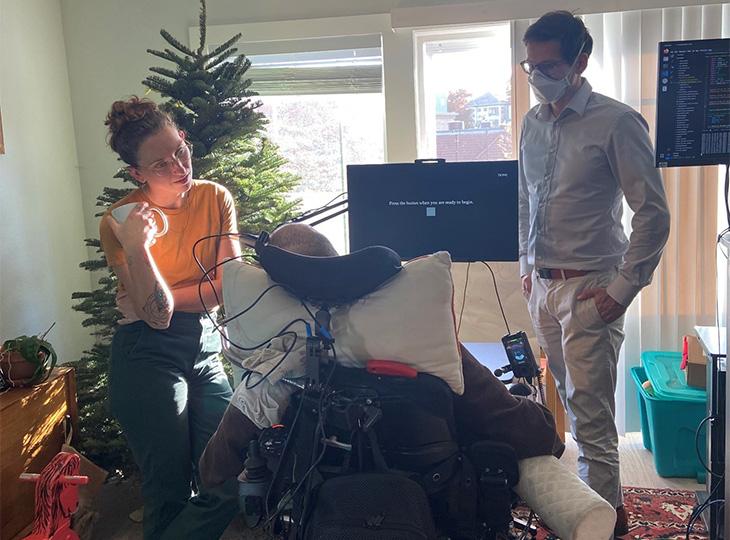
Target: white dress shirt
<point>575,171</point>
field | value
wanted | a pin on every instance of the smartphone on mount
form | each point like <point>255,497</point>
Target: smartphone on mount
<point>519,354</point>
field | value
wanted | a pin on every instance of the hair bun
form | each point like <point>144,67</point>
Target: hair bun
<point>123,112</point>
<point>132,121</point>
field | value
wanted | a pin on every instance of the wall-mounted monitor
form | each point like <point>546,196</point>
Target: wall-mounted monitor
<point>693,103</point>
<point>466,208</point>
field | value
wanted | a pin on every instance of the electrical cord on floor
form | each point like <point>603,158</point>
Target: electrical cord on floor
<point>699,510</point>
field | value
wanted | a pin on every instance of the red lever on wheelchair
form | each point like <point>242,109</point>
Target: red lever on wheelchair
<point>387,367</point>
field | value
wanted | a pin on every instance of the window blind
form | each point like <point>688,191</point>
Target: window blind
<point>341,71</point>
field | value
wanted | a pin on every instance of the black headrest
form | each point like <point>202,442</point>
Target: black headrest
<point>329,280</point>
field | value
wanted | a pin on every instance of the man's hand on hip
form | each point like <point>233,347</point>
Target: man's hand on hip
<point>608,308</point>
<point>527,285</point>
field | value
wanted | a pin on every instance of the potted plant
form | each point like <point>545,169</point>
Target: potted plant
<point>27,360</point>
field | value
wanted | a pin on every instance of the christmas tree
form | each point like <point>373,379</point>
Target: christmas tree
<point>209,97</point>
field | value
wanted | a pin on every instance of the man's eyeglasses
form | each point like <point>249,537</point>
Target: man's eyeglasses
<point>165,167</point>
<point>546,68</point>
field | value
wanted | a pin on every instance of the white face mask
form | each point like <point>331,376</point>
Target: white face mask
<point>549,90</point>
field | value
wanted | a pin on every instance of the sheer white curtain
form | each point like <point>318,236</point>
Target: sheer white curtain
<point>623,65</point>
<point>683,294</point>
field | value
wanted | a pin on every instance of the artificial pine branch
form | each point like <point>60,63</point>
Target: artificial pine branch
<point>221,59</point>
<point>167,54</point>
<point>227,45</point>
<point>164,71</point>
<point>158,84</point>
<point>203,27</point>
<point>175,43</point>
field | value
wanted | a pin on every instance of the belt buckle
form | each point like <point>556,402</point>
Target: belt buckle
<point>545,273</point>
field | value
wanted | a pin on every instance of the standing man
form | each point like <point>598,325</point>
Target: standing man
<point>581,154</point>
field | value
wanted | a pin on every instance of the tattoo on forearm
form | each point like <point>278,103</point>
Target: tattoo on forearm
<point>147,262</point>
<point>157,306</point>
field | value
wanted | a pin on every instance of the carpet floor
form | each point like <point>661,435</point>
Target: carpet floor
<point>654,514</point>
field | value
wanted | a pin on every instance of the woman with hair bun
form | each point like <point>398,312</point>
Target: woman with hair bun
<point>167,386</point>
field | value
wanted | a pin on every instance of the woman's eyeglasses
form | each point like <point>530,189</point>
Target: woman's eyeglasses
<point>165,167</point>
<point>546,68</point>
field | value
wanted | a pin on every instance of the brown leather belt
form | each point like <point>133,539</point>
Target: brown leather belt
<point>559,273</point>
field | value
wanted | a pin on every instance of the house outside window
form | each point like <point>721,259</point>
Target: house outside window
<point>464,78</point>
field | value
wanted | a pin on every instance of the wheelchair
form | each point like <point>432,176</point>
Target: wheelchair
<point>368,453</point>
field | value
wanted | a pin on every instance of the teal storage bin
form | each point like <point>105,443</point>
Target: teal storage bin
<point>670,417</point>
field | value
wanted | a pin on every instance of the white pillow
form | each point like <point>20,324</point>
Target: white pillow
<point>408,319</point>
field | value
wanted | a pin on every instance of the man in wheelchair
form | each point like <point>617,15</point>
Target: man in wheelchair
<point>460,448</point>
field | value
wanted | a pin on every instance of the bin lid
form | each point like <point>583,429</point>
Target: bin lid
<point>663,370</point>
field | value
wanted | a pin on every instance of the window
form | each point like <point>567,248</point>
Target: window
<point>325,111</point>
<point>320,135</point>
<point>464,79</point>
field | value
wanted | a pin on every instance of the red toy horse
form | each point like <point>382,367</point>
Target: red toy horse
<point>56,497</point>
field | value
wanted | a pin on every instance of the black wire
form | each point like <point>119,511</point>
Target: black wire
<point>217,326</point>
<point>499,300</point>
<point>283,332</point>
<point>289,440</point>
<point>321,410</point>
<point>697,447</point>
<point>540,386</point>
<point>247,376</point>
<point>528,522</point>
<point>206,273</point>
<point>320,429</point>
<point>700,509</point>
<point>727,193</point>
<point>463,298</point>
<point>253,304</point>
<point>698,512</point>
<point>308,213</point>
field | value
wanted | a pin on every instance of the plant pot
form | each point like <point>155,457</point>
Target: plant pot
<point>16,369</point>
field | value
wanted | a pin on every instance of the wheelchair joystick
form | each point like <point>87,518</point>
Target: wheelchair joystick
<point>253,485</point>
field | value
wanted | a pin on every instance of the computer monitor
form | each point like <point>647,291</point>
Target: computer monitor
<point>466,208</point>
<point>693,103</point>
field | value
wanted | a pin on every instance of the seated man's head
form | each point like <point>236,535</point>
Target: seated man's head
<point>302,239</point>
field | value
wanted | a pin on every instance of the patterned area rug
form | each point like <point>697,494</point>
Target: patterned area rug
<point>654,514</point>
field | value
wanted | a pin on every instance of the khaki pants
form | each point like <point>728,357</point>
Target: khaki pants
<point>582,353</point>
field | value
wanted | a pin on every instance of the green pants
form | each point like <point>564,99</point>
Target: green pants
<point>168,390</point>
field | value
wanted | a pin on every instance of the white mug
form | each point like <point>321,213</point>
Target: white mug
<point>120,213</point>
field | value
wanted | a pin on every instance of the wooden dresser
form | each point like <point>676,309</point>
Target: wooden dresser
<point>31,433</point>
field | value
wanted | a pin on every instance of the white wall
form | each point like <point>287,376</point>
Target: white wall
<point>41,216</point>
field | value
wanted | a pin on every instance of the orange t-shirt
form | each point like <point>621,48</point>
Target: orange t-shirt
<point>208,209</point>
